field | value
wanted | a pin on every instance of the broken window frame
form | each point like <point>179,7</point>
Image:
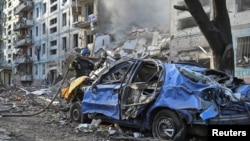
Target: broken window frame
<point>75,40</point>
<point>243,51</point>
<point>242,5</point>
<point>115,75</point>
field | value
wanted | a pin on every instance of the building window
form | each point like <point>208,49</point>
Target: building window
<point>75,40</point>
<point>30,33</point>
<point>89,8</point>
<point>9,18</point>
<point>64,19</point>
<point>9,61</point>
<point>44,28</point>
<point>44,8</point>
<point>36,69</point>
<point>243,51</point>
<point>9,4</point>
<point>63,64</point>
<point>64,1</point>
<point>30,52</point>
<point>43,49</point>
<point>9,55</point>
<point>37,31</point>
<point>53,8</point>
<point>75,18</point>
<point>90,39</point>
<point>53,30</point>
<point>37,12</point>
<point>53,52</point>
<point>242,5</point>
<point>64,43</point>
<point>53,21</point>
<point>53,43</point>
<point>52,1</point>
<point>43,68</point>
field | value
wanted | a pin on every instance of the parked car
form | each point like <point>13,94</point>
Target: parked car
<point>166,98</point>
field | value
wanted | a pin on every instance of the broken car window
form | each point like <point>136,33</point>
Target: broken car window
<point>116,74</point>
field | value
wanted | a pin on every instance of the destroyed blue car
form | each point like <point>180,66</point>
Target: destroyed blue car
<point>166,98</point>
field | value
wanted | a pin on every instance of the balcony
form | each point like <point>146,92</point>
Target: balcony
<point>22,59</point>
<point>85,23</point>
<point>23,42</point>
<point>26,77</point>
<point>23,24</point>
<point>85,0</point>
<point>23,7</point>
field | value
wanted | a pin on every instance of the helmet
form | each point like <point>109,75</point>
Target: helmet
<point>85,51</point>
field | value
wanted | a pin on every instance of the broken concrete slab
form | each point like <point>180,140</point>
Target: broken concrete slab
<point>101,42</point>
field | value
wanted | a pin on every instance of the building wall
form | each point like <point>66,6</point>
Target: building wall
<point>240,29</point>
<point>47,65</point>
<point>8,37</point>
<point>188,40</point>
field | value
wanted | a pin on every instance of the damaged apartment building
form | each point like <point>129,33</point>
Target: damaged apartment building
<point>38,36</point>
<point>190,44</point>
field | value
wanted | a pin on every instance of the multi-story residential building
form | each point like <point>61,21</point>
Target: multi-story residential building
<point>189,43</point>
<point>8,37</point>
<point>43,34</point>
<point>23,42</point>
<point>37,37</point>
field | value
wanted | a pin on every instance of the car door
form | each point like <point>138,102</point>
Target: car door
<point>142,88</point>
<point>103,96</point>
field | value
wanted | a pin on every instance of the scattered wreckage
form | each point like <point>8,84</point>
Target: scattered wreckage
<point>154,95</point>
<point>166,98</point>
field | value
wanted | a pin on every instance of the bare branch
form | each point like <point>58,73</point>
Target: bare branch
<point>183,7</point>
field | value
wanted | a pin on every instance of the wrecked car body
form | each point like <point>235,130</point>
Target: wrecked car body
<point>166,97</point>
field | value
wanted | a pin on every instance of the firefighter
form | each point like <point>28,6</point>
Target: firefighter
<point>81,64</point>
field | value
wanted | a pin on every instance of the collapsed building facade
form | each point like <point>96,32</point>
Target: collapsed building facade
<point>54,29</point>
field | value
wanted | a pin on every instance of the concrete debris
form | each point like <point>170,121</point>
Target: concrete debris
<point>140,43</point>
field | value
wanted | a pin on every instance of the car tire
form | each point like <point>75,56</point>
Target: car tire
<point>167,126</point>
<point>76,113</point>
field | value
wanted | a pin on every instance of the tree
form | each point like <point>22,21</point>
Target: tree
<point>217,31</point>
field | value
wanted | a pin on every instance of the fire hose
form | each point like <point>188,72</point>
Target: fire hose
<point>41,111</point>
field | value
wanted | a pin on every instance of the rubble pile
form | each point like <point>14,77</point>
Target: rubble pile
<point>20,101</point>
<point>138,43</point>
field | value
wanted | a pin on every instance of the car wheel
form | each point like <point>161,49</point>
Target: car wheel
<point>167,126</point>
<point>76,113</point>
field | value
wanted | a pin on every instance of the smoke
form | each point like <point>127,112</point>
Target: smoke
<point>119,16</point>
